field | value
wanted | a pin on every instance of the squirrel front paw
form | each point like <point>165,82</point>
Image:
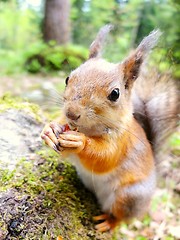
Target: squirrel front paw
<point>50,134</point>
<point>60,138</point>
<point>72,141</point>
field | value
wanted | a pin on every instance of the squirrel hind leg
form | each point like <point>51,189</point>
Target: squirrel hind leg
<point>108,223</point>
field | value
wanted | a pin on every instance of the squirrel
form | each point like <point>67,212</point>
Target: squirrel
<point>115,117</point>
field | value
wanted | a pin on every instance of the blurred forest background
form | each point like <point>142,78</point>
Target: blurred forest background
<point>39,36</point>
<point>41,41</point>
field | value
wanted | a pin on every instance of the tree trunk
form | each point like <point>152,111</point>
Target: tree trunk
<point>56,21</point>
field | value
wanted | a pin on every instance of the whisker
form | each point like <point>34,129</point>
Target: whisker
<point>134,135</point>
<point>49,106</point>
<point>107,123</point>
<point>54,93</point>
<point>56,97</point>
<point>117,126</point>
<point>54,101</point>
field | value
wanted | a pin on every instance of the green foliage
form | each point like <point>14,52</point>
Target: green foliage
<point>21,33</point>
<point>163,15</point>
<point>175,146</point>
<point>141,238</point>
<point>132,20</point>
<point>43,57</point>
<point>11,61</point>
<point>18,26</point>
<point>175,140</point>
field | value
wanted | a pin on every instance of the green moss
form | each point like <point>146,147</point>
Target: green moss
<point>9,102</point>
<point>6,176</point>
<point>57,195</point>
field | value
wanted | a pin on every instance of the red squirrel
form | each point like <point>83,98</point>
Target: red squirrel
<point>114,117</point>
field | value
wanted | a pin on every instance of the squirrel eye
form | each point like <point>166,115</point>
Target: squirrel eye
<point>66,81</point>
<point>114,95</point>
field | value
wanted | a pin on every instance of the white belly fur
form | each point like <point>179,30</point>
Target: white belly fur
<point>100,184</point>
<point>107,186</point>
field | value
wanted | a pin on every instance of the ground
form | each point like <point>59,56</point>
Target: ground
<point>41,197</point>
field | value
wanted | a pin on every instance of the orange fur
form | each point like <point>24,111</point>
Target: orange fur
<point>98,158</point>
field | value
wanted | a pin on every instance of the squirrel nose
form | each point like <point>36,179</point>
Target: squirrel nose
<point>72,116</point>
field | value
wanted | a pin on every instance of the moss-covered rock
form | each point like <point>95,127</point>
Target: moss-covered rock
<point>21,124</point>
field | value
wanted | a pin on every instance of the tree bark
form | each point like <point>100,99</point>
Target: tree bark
<point>56,21</point>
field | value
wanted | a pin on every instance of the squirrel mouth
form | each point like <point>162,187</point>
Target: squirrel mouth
<point>73,126</point>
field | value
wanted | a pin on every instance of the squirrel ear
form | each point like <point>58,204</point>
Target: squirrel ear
<point>97,44</point>
<point>131,65</point>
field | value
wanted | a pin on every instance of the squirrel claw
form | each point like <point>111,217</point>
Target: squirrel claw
<point>50,143</point>
<point>49,135</point>
<point>56,128</point>
<point>103,227</point>
<point>100,217</point>
<point>108,224</point>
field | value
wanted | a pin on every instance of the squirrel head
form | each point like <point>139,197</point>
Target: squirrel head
<point>97,95</point>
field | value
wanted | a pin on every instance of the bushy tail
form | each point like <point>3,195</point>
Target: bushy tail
<point>156,99</point>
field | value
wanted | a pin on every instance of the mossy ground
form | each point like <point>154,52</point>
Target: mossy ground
<point>58,203</point>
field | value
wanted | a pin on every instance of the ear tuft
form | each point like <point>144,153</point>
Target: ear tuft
<point>149,42</point>
<point>98,43</point>
<point>131,65</point>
